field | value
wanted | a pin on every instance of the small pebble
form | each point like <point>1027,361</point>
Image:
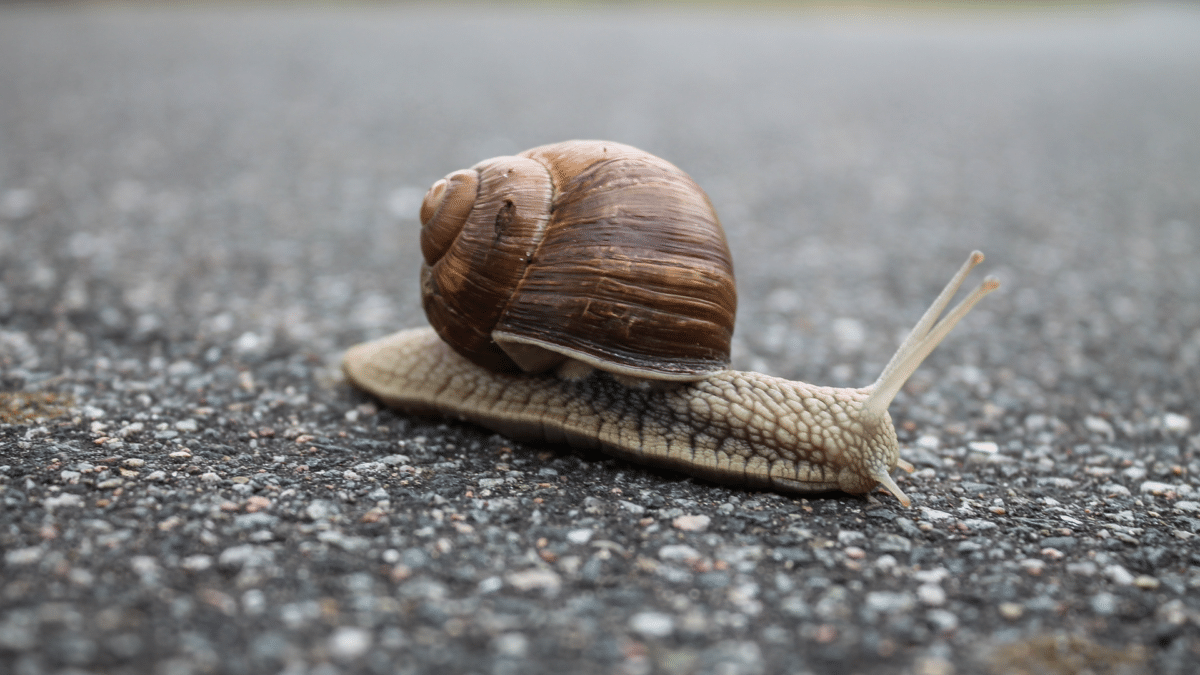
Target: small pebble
<point>1176,423</point>
<point>1011,610</point>
<point>348,643</point>
<point>678,552</point>
<point>580,536</point>
<point>1099,425</point>
<point>934,515</point>
<point>1104,604</point>
<point>1085,568</point>
<point>1033,566</point>
<point>944,620</point>
<point>931,594</point>
<point>1115,489</point>
<point>851,537</point>
<point>1134,473</point>
<point>23,556</point>
<point>652,624</point>
<point>1146,581</point>
<point>694,523</point>
<point>510,645</point>
<point>933,665</point>
<point>196,563</point>
<point>887,602</point>
<point>535,579</point>
<point>1119,575</point>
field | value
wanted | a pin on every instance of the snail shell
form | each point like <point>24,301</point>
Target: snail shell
<point>581,251</point>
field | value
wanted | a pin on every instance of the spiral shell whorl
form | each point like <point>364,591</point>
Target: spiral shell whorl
<point>585,249</point>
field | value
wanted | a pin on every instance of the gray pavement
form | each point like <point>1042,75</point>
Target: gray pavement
<point>200,207</point>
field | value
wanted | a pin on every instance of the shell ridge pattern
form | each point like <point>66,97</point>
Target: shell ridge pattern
<point>538,236</point>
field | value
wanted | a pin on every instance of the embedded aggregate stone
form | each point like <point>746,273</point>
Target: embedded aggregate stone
<point>194,224</point>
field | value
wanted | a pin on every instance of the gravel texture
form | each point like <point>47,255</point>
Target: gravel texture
<point>199,208</point>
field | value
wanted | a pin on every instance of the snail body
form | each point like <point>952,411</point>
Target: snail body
<point>680,408</point>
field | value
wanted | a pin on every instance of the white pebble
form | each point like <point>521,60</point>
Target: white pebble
<point>635,509</point>
<point>1187,506</point>
<point>1099,425</point>
<point>1156,488</point>
<point>886,562</point>
<point>135,428</point>
<point>1115,489</point>
<point>580,536</point>
<point>931,594</point>
<point>933,514</point>
<point>254,602</point>
<point>979,525</point>
<point>888,602</point>
<point>23,556</point>
<point>944,620</point>
<point>986,447</point>
<point>1118,575</point>
<point>348,643</point>
<point>851,537</point>
<point>1033,566</point>
<point>196,563</point>
<point>678,552</point>
<point>652,624</point>
<point>187,426</point>
<point>691,523</point>
<point>65,499</point>
<point>1135,472</point>
<point>535,579</point>
<point>1085,568</point>
<point>1176,423</point>
<point>1104,603</point>
<point>511,645</point>
<point>932,576</point>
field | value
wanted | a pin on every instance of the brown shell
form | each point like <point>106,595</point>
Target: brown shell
<point>591,250</point>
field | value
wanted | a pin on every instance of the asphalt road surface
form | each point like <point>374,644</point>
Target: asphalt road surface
<point>201,207</point>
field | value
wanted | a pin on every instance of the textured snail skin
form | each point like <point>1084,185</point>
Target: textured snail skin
<point>733,427</point>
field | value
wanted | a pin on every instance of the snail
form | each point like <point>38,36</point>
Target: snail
<point>583,293</point>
